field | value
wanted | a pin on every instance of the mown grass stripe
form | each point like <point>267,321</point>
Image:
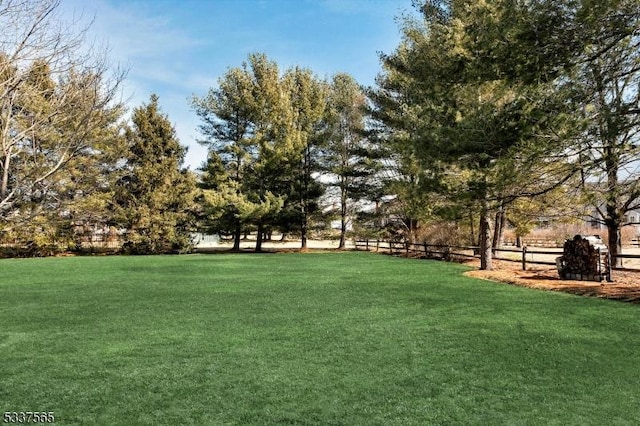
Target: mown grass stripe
<point>328,338</point>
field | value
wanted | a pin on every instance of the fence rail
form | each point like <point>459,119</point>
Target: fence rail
<point>537,242</point>
<point>450,252</point>
<point>555,243</point>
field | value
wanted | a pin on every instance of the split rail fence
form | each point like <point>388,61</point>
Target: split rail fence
<point>523,255</point>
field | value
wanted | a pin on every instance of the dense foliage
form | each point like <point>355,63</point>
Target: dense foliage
<point>271,135</point>
<point>491,102</point>
<point>154,198</point>
<point>58,130</point>
<point>484,113</point>
<point>66,152</point>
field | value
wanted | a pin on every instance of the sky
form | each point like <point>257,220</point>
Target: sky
<point>180,48</point>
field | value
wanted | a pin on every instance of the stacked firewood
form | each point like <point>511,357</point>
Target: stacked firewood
<point>582,260</point>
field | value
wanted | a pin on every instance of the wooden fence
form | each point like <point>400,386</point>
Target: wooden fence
<point>523,255</point>
<point>537,242</point>
<point>554,243</point>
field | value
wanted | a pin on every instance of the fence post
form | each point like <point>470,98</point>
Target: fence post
<point>367,244</point>
<point>524,258</point>
<point>426,253</point>
<point>446,255</point>
<point>406,245</point>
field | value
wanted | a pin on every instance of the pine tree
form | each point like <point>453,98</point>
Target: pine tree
<point>607,86</point>
<point>243,120</point>
<point>469,110</point>
<point>57,105</point>
<point>61,144</point>
<point>154,198</point>
<point>307,96</point>
<point>349,157</point>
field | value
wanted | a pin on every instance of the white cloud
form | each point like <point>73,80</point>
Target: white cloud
<point>176,59</point>
<point>130,30</point>
<point>151,47</point>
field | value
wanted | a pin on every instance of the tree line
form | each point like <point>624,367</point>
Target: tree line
<point>511,108</point>
<point>69,160</point>
<point>276,141</point>
<point>73,163</point>
<point>486,113</point>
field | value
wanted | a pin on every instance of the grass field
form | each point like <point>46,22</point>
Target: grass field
<point>323,338</point>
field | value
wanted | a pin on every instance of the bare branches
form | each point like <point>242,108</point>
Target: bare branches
<point>57,95</point>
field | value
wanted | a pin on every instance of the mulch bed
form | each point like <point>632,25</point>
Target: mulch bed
<point>625,286</point>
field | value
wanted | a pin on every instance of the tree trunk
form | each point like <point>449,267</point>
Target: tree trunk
<point>472,234</point>
<point>259,237</point>
<point>237,235</point>
<point>411,225</point>
<point>613,219</point>
<point>486,255</point>
<point>498,229</point>
<point>306,176</point>
<point>614,240</point>
<point>4,188</point>
<point>343,214</point>
<point>303,232</point>
<point>343,234</point>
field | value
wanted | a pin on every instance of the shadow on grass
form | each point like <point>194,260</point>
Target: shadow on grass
<point>226,250</point>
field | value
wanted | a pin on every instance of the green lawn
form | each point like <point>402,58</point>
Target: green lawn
<point>326,338</point>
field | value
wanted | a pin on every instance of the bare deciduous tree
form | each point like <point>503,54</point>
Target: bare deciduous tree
<point>57,95</point>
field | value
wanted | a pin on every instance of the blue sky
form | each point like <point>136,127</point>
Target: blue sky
<point>179,48</point>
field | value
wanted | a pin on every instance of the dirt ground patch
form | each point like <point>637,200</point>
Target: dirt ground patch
<point>625,285</point>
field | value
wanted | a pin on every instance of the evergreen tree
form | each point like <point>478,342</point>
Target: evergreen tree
<point>274,144</point>
<point>473,113</point>
<point>61,141</point>
<point>154,198</point>
<point>606,85</point>
<point>243,124</point>
<point>227,127</point>
<point>57,113</point>
<point>307,95</point>
<point>348,156</point>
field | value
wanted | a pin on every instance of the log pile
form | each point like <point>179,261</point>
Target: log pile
<point>584,258</point>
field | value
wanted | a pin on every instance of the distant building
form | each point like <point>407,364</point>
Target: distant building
<point>631,219</point>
